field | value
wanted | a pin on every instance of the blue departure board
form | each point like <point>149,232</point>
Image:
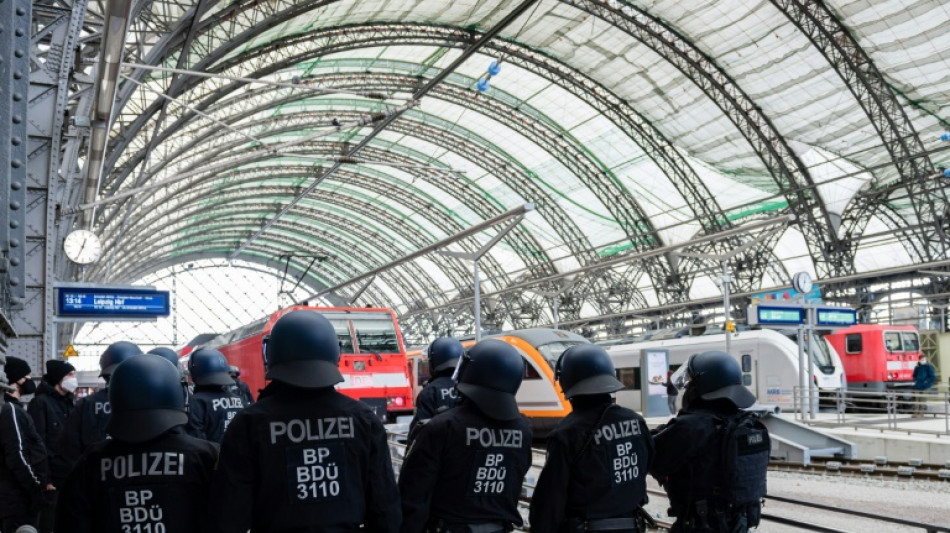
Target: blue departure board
<point>780,316</point>
<point>836,317</point>
<point>115,303</point>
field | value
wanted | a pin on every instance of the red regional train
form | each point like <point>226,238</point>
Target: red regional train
<point>877,357</point>
<point>373,356</point>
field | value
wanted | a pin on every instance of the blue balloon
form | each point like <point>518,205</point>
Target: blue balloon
<point>483,85</point>
<point>494,68</point>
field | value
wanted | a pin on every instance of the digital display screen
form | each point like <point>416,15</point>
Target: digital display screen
<point>780,315</point>
<point>837,317</point>
<point>94,302</point>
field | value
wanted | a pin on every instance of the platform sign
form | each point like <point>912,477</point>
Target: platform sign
<point>836,316</point>
<point>70,351</point>
<point>112,303</point>
<point>654,367</point>
<point>779,316</point>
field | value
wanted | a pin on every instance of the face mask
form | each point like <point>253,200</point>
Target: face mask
<point>28,387</point>
<point>70,384</point>
<point>923,361</point>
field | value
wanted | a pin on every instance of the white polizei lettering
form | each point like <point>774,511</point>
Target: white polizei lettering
<point>226,403</point>
<point>297,431</point>
<point>143,464</point>
<point>617,430</point>
<point>448,393</point>
<point>497,438</point>
<point>102,407</point>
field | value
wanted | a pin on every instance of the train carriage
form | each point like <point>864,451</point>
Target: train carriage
<point>878,357</point>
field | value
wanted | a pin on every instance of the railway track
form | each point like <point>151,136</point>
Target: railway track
<point>866,469</point>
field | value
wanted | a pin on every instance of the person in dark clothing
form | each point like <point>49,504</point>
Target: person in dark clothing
<point>150,476</point>
<point>671,393</point>
<point>49,409</point>
<point>304,458</point>
<point>24,471</point>
<point>711,491</point>
<point>212,406</point>
<point>439,393</point>
<point>465,468</point>
<point>594,478</point>
<point>924,377</point>
<point>86,424</point>
<point>240,388</point>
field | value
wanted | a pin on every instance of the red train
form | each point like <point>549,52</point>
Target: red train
<point>877,357</point>
<point>373,361</point>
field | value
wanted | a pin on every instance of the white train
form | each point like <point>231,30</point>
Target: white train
<point>769,361</point>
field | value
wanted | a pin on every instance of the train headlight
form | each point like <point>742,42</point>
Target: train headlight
<point>398,401</point>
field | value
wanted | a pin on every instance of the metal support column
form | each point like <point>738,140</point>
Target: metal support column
<point>802,383</point>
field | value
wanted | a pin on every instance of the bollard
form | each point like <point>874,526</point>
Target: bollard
<point>905,470</point>
<point>868,469</point>
<point>881,460</point>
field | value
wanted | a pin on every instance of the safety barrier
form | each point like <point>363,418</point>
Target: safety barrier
<point>897,409</point>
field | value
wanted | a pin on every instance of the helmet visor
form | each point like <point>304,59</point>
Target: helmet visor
<point>681,378</point>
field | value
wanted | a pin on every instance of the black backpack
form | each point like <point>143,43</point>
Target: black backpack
<point>745,448</point>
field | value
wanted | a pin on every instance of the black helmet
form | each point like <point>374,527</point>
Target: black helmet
<point>586,369</point>
<point>444,353</point>
<point>234,371</point>
<point>716,375</point>
<point>115,354</point>
<point>490,375</point>
<point>209,367</point>
<point>303,350</point>
<point>146,398</point>
<point>166,353</point>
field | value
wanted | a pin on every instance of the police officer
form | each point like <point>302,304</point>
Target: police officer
<point>304,458</point>
<point>86,424</point>
<point>49,409</point>
<point>594,478</point>
<point>463,473</point>
<point>172,357</point>
<point>24,470</point>
<point>439,393</point>
<point>150,476</point>
<point>213,404</point>
<point>240,388</point>
<point>712,459</point>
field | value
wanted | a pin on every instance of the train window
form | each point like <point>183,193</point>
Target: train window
<point>746,363</point>
<point>342,328</point>
<point>630,377</point>
<point>892,341</point>
<point>909,341</point>
<point>530,372</point>
<point>552,351</point>
<point>376,335</point>
<point>747,380</point>
<point>853,343</point>
<point>422,373</point>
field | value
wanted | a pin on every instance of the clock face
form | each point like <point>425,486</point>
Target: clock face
<point>802,282</point>
<point>82,246</point>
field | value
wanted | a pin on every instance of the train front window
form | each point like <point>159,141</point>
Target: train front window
<point>376,334</point>
<point>552,351</point>
<point>821,357</point>
<point>892,341</point>
<point>342,328</point>
<point>910,341</point>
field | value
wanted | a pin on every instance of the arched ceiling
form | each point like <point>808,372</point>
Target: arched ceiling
<point>630,125</point>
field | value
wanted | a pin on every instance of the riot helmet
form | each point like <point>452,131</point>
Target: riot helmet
<point>586,369</point>
<point>167,353</point>
<point>489,375</point>
<point>116,353</point>
<point>444,353</point>
<point>234,371</point>
<point>303,350</point>
<point>209,367</point>
<point>714,375</point>
<point>146,399</point>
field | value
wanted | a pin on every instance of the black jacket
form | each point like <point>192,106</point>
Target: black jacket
<point>210,410</point>
<point>85,425</point>
<point>438,395</point>
<point>139,486</point>
<point>49,410</point>
<point>24,471</point>
<point>242,390</point>
<point>597,463</point>
<point>304,460</point>
<point>465,468</point>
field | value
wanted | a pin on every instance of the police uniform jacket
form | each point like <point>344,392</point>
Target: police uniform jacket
<point>304,460</point>
<point>438,395</point>
<point>154,486</point>
<point>597,463</point>
<point>85,425</point>
<point>465,468</point>
<point>242,390</point>
<point>24,470</point>
<point>687,460</point>
<point>210,410</point>
<point>49,410</point>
